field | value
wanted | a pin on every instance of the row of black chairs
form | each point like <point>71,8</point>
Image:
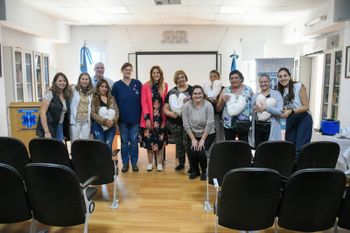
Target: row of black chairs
<point>278,155</point>
<point>47,193</point>
<point>89,158</point>
<point>312,200</point>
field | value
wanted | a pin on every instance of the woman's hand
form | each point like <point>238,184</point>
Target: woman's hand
<point>259,108</point>
<point>110,123</point>
<point>173,115</point>
<point>148,124</point>
<point>201,144</point>
<point>226,98</point>
<point>194,144</point>
<point>47,134</point>
<point>286,113</point>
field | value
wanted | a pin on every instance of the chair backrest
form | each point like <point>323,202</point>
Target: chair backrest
<point>311,199</point>
<point>227,155</point>
<point>321,154</point>
<point>14,153</point>
<point>13,198</point>
<point>93,157</point>
<point>344,213</point>
<point>54,194</point>
<point>49,150</point>
<point>277,155</point>
<point>249,198</point>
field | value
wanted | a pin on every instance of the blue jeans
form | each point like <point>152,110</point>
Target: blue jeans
<point>129,134</point>
<point>299,130</point>
<point>106,136</point>
<point>59,132</point>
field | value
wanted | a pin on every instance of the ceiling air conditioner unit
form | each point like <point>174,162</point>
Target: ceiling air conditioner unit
<point>166,2</point>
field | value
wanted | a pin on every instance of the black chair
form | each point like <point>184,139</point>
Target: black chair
<point>344,213</point>
<point>248,199</point>
<point>49,150</point>
<point>223,157</point>
<point>93,157</point>
<point>56,197</point>
<point>277,155</point>
<point>14,153</point>
<point>13,198</point>
<point>321,154</point>
<point>311,200</point>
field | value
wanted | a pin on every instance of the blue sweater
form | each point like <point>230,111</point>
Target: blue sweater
<point>128,99</point>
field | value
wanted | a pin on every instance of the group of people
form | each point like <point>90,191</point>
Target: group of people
<point>195,116</point>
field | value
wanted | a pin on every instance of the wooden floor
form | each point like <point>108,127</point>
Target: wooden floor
<point>148,202</point>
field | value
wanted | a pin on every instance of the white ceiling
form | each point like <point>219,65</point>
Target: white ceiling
<point>189,12</point>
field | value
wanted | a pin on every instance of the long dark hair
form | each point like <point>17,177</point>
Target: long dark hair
<point>67,91</point>
<point>280,88</point>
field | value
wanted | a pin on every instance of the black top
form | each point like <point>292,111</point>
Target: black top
<point>175,91</point>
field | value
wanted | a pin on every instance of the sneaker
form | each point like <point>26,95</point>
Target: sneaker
<point>160,167</point>
<point>204,176</point>
<point>135,168</point>
<point>149,167</point>
<point>193,175</point>
<point>125,167</point>
<point>179,167</point>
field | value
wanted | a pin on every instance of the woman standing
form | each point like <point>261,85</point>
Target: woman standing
<point>80,108</point>
<point>127,94</point>
<point>153,134</point>
<point>198,121</point>
<point>236,102</point>
<point>267,108</point>
<point>105,113</point>
<point>295,110</point>
<point>173,105</point>
<point>212,90</point>
<point>54,111</point>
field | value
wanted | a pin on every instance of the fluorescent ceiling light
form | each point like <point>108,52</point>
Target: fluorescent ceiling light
<point>313,22</point>
<point>241,10</point>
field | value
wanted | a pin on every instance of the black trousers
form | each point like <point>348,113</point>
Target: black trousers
<point>198,158</point>
<point>261,135</point>
<point>231,134</point>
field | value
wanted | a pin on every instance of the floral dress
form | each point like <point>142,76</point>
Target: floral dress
<point>155,138</point>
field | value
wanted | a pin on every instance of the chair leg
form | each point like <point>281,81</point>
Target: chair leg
<point>276,225</point>
<point>115,203</point>
<point>216,223</point>
<point>33,226</point>
<point>86,225</point>
<point>207,206</point>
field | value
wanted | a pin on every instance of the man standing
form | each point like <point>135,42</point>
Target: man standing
<point>99,72</point>
<point>127,93</point>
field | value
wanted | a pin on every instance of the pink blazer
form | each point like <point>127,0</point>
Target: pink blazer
<point>146,102</point>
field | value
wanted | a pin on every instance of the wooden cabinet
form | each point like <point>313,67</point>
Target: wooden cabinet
<point>331,85</point>
<point>23,120</point>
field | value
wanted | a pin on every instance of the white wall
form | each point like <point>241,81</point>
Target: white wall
<point>3,115</point>
<point>117,41</point>
<point>344,92</point>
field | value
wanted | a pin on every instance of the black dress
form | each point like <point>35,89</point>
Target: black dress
<point>155,138</point>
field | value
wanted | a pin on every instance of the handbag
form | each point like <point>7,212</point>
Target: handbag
<point>240,125</point>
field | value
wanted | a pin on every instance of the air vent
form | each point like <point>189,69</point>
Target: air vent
<point>167,2</point>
